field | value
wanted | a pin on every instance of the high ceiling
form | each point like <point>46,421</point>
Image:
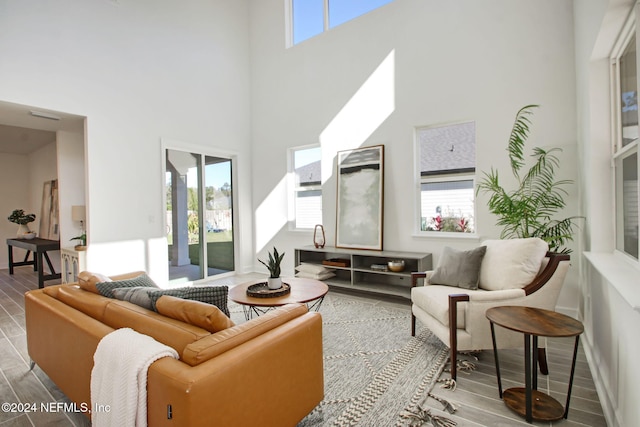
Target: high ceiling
<point>23,133</point>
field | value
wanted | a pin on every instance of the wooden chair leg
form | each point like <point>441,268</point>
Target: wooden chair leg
<point>413,325</point>
<point>453,330</point>
<point>454,359</point>
<point>542,361</point>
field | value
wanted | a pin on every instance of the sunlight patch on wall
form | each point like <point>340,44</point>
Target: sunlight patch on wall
<point>157,260</point>
<point>113,258</point>
<point>367,109</point>
<point>271,215</point>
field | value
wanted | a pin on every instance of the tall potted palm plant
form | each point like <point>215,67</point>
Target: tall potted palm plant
<point>530,210</point>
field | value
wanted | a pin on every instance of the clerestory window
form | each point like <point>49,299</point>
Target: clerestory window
<point>308,18</point>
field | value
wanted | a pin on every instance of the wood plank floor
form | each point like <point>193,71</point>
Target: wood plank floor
<point>476,395</point>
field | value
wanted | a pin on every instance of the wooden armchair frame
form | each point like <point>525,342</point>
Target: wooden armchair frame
<point>538,282</point>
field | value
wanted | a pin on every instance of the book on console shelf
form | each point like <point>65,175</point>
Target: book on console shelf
<point>337,262</point>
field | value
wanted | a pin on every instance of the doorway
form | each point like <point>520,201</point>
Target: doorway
<point>199,212</point>
<point>38,146</point>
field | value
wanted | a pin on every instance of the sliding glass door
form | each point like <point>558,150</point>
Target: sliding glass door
<point>199,215</point>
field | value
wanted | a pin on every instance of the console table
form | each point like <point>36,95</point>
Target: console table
<point>533,323</point>
<point>357,274</point>
<point>39,247</point>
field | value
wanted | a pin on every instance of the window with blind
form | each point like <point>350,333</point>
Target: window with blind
<point>307,187</point>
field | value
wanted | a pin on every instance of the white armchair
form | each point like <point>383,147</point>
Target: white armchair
<point>512,272</point>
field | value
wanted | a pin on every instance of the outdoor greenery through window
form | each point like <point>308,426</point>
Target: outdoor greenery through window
<point>625,154</point>
<point>199,215</point>
<point>312,17</point>
<point>447,164</point>
<point>307,188</point>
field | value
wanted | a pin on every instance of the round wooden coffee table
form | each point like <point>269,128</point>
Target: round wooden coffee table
<point>307,291</point>
<point>533,323</point>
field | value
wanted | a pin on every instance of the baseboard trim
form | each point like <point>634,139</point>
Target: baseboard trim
<point>608,408</point>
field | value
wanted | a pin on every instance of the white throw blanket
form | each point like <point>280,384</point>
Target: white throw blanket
<point>119,377</point>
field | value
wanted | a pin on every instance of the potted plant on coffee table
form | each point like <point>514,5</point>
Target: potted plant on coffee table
<point>273,265</point>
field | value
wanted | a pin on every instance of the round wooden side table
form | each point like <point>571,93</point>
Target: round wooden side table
<point>533,323</point>
<point>309,291</point>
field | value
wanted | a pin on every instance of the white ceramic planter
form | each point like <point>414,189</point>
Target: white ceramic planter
<point>274,283</point>
<point>22,230</point>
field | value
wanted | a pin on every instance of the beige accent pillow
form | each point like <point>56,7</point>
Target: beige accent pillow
<point>317,276</point>
<point>203,315</point>
<point>511,263</point>
<point>313,269</point>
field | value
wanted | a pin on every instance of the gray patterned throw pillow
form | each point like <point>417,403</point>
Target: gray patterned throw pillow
<point>215,295</point>
<point>138,295</point>
<point>106,288</point>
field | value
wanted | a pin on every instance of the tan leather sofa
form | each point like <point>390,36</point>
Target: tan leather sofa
<point>266,372</point>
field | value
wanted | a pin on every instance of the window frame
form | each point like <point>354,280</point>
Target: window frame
<point>441,176</point>
<point>619,199</point>
<point>620,152</point>
<point>294,189</point>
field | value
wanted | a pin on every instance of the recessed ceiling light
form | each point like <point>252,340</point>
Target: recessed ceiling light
<point>44,115</point>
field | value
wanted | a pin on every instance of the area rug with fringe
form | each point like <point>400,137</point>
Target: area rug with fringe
<point>376,373</point>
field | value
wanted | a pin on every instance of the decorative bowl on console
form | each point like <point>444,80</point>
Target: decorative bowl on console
<point>396,265</point>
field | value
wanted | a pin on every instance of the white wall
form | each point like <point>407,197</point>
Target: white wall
<point>14,194</point>
<point>410,63</point>
<point>22,178</point>
<point>71,181</point>
<point>609,286</point>
<point>139,71</point>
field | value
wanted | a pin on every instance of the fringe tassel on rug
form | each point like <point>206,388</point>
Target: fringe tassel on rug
<point>464,367</point>
<point>447,406</point>
<point>475,354</point>
<point>448,383</point>
<point>420,416</point>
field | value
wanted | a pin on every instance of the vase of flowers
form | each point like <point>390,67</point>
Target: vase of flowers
<point>274,281</point>
<point>19,217</point>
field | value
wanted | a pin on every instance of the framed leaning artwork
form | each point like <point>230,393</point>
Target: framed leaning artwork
<point>360,198</point>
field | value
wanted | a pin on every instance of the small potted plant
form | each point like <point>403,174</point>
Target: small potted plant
<point>274,281</point>
<point>19,217</point>
<point>83,242</point>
